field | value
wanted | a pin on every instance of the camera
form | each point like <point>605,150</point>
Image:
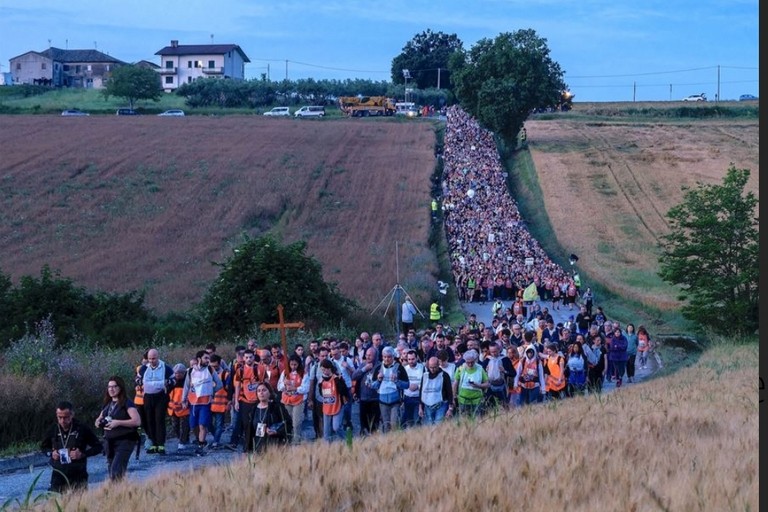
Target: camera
<point>104,421</point>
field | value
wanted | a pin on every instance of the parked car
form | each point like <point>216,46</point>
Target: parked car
<point>747,97</point>
<point>696,97</point>
<point>126,112</point>
<point>310,111</point>
<point>278,111</point>
<point>74,112</point>
<point>172,113</point>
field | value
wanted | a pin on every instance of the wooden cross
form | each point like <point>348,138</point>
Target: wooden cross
<point>282,326</point>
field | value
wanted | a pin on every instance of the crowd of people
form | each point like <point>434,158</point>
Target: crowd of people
<point>492,253</point>
<point>263,397</point>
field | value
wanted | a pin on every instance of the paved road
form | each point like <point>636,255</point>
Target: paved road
<point>18,473</point>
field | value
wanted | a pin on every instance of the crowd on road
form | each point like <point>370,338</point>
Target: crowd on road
<point>263,396</point>
<point>492,253</point>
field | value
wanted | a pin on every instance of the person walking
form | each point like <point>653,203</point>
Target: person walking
<point>390,379</point>
<point>370,412</point>
<point>294,388</point>
<point>156,379</point>
<point>617,355</point>
<point>270,423</point>
<point>631,336</point>
<point>201,383</point>
<point>530,377</point>
<point>643,346</point>
<point>179,414</point>
<point>469,386</point>
<point>120,420</point>
<point>407,315</point>
<point>435,394</point>
<point>335,394</point>
<point>68,444</point>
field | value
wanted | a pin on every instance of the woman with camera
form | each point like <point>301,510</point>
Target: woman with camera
<point>120,420</point>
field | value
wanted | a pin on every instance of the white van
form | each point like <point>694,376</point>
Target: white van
<point>403,107</point>
<point>311,111</point>
<point>278,111</point>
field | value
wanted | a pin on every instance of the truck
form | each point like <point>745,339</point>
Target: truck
<point>364,106</point>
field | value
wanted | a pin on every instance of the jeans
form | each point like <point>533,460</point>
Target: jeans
<point>217,421</point>
<point>332,427</point>
<point>530,396</point>
<point>434,415</point>
<point>237,428</point>
<point>618,369</point>
<point>118,454</point>
<point>410,411</point>
<point>390,416</point>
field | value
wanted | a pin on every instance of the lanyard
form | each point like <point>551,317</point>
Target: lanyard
<point>65,442</point>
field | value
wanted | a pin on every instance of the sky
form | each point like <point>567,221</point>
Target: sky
<point>609,50</point>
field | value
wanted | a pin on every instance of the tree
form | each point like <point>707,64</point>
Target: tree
<point>500,81</point>
<point>261,274</point>
<point>712,252</point>
<point>425,56</point>
<point>134,83</point>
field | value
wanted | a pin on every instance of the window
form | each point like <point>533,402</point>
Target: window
<point>169,80</point>
<point>211,64</point>
<point>169,64</point>
<point>44,65</point>
<point>198,64</point>
<point>66,67</point>
<point>77,68</point>
<point>88,67</point>
<point>189,79</point>
<point>18,66</point>
<point>106,67</point>
<point>189,63</point>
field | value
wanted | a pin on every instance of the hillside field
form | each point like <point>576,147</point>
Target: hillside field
<point>147,203</point>
<point>607,187</point>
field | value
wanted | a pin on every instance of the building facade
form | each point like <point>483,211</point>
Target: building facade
<point>55,67</point>
<point>184,63</point>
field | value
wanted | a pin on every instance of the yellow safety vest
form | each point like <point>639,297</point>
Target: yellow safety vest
<point>434,311</point>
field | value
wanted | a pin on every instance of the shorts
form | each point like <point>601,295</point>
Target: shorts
<point>199,415</point>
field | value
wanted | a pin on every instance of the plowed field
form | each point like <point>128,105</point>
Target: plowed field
<point>608,186</point>
<point>147,203</point>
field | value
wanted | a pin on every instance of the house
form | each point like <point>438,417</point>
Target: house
<point>89,69</point>
<point>183,63</point>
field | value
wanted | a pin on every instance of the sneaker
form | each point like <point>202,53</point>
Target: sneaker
<point>618,383</point>
<point>181,446</point>
<point>215,446</point>
<point>199,451</point>
<point>152,449</point>
<point>161,450</point>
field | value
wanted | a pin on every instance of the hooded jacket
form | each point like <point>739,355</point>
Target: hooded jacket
<point>527,361</point>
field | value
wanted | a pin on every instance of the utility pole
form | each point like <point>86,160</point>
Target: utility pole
<point>267,71</point>
<point>634,91</point>
<point>717,96</point>
<point>438,78</point>
<point>286,69</point>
